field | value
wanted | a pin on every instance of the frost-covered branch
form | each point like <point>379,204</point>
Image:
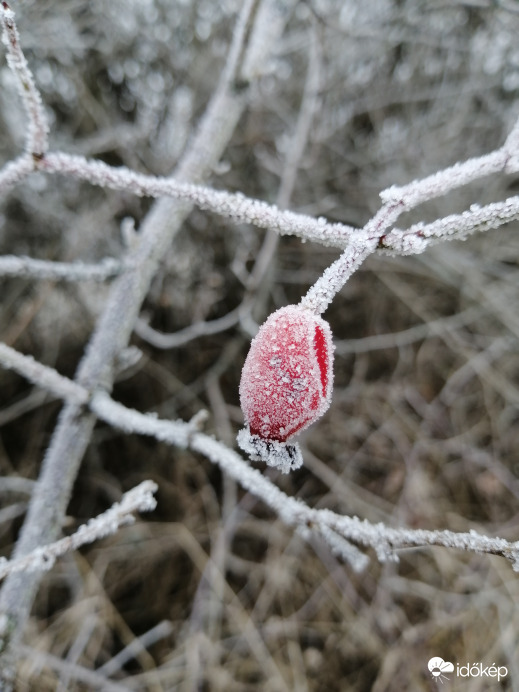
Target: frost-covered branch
<point>337,530</point>
<point>138,499</point>
<point>358,243</point>
<point>453,227</point>
<point>362,244</point>
<point>100,403</point>
<point>257,30</point>
<point>235,206</point>
<point>38,128</point>
<point>442,182</point>
<point>43,376</point>
<point>26,267</point>
<point>15,171</point>
<point>321,294</point>
<point>171,432</point>
<point>417,238</point>
<point>385,540</point>
<point>241,209</point>
<point>114,327</point>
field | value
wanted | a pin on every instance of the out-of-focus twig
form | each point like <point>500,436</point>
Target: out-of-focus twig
<point>114,327</point>
<point>27,267</point>
<point>333,528</point>
<point>138,499</point>
<point>38,127</point>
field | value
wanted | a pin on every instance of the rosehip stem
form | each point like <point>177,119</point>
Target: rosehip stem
<point>321,294</point>
<point>362,245</point>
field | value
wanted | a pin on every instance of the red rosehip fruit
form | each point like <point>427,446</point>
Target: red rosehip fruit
<point>286,384</point>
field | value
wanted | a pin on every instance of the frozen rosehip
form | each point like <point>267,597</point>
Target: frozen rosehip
<point>286,384</point>
<point>286,381</point>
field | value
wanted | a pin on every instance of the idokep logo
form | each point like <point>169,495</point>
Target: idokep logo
<point>438,667</point>
<point>478,670</point>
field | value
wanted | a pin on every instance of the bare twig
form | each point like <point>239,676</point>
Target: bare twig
<point>161,631</point>
<point>115,325</point>
<point>138,499</point>
<point>417,238</point>
<point>27,267</point>
<point>334,528</point>
<point>407,336</point>
<point>38,128</point>
<point>194,331</point>
<point>45,377</point>
<point>235,206</point>
<point>15,171</point>
<point>258,27</point>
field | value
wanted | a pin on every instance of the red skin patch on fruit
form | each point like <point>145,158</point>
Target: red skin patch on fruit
<point>322,356</point>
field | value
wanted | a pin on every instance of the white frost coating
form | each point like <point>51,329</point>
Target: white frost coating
<point>12,265</point>
<point>321,294</point>
<point>235,206</point>
<point>281,455</point>
<point>38,128</point>
<point>418,237</point>
<point>442,182</point>
<point>15,171</point>
<point>286,383</point>
<point>343,549</point>
<point>43,376</point>
<point>138,499</point>
<point>383,539</point>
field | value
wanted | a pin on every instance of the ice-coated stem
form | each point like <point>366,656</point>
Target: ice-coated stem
<point>321,294</point>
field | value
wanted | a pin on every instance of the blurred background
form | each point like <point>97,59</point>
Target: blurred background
<point>212,591</point>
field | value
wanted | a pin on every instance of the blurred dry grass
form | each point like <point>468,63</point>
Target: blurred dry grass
<point>213,592</point>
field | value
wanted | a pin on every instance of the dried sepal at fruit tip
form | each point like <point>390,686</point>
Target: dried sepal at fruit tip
<point>286,384</point>
<point>284,456</point>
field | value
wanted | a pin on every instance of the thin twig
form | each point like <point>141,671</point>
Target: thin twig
<point>418,237</point>
<point>194,331</point>
<point>138,499</point>
<point>113,330</point>
<point>43,376</point>
<point>235,206</point>
<point>27,267</point>
<point>254,37</point>
<point>332,527</point>
<point>15,171</point>
<point>38,127</point>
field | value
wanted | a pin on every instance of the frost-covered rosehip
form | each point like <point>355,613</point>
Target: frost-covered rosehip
<point>286,384</point>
